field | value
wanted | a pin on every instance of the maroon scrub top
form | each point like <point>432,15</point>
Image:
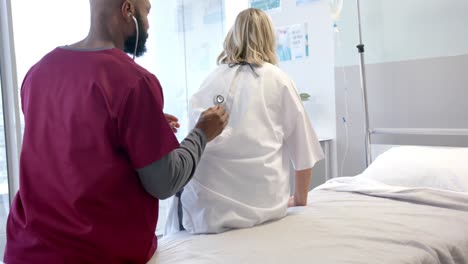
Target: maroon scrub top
<point>91,119</point>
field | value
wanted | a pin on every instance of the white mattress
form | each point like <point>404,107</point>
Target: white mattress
<point>341,227</point>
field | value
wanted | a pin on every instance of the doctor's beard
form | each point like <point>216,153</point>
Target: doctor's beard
<point>130,42</point>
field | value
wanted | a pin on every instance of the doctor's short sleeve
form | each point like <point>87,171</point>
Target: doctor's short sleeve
<point>299,136</point>
<point>143,129</point>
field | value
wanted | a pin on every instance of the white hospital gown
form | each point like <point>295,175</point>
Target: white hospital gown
<point>242,179</point>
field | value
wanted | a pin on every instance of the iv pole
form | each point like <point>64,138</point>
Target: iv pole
<point>360,48</point>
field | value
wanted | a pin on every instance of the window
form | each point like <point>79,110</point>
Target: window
<point>186,36</point>
<point>4,199</point>
<point>9,132</point>
<point>67,24</point>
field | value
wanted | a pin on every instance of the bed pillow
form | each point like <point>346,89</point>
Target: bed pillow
<point>429,167</point>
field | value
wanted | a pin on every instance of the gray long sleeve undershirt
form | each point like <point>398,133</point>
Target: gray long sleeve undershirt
<point>165,177</point>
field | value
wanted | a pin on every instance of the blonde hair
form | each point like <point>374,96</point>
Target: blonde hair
<point>251,40</point>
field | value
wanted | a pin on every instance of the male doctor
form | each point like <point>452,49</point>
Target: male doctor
<point>98,151</point>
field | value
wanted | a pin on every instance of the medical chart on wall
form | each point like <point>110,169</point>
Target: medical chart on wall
<point>266,5</point>
<point>304,2</point>
<point>292,42</point>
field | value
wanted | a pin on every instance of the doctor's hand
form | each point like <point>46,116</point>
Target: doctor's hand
<point>173,122</point>
<point>212,122</point>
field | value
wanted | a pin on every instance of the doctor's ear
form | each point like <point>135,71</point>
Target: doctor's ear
<point>128,9</point>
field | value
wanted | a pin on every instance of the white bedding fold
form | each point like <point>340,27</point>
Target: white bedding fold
<point>427,196</point>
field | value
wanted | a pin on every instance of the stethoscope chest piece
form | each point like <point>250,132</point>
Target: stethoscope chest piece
<point>218,99</point>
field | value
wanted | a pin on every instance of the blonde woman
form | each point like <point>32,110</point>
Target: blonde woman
<point>243,178</point>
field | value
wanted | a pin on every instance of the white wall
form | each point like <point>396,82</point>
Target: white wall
<point>415,59</point>
<point>41,26</point>
<point>233,8</point>
<point>315,74</point>
<point>398,30</point>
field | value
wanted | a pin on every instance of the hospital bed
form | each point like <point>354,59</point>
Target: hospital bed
<point>409,206</point>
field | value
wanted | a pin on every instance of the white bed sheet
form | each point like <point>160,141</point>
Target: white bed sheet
<point>341,225</point>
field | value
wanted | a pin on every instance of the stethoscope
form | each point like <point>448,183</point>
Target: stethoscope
<point>137,34</point>
<point>220,100</point>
